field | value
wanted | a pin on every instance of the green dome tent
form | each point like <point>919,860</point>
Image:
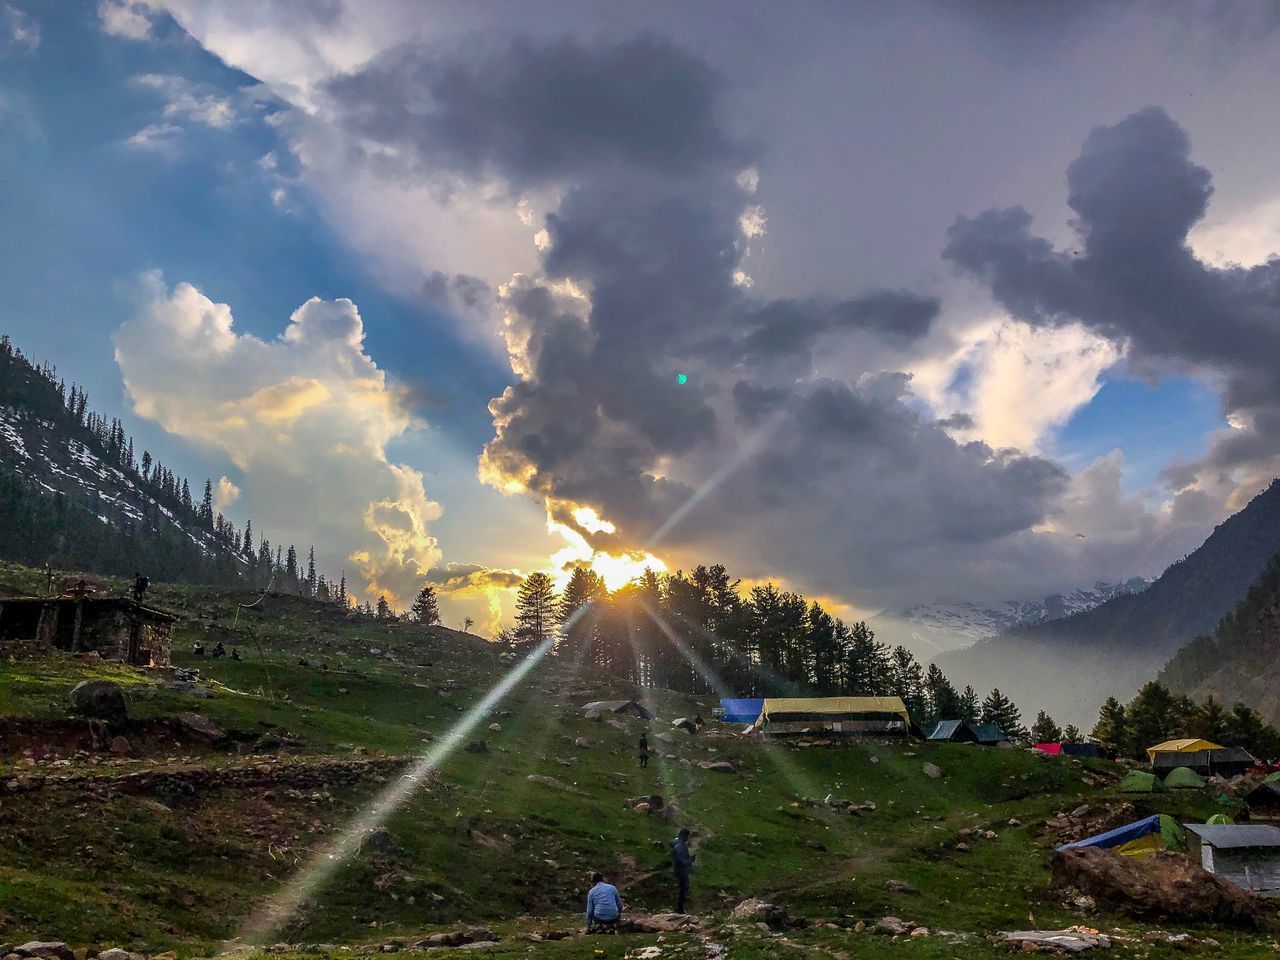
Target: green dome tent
<point>1219,818</point>
<point>1136,781</point>
<point>1183,778</point>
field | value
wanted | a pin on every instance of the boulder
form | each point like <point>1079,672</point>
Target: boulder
<point>1164,886</point>
<point>901,886</point>
<point>476,746</point>
<point>120,746</point>
<point>115,953</point>
<point>663,923</point>
<point>618,725</point>
<point>653,801</point>
<point>932,770</point>
<point>101,700</point>
<point>196,727</point>
<point>551,782</point>
<point>495,728</point>
<point>666,737</point>
<point>892,925</point>
<point>582,743</point>
<point>1064,941</point>
<point>720,766</point>
<point>49,949</point>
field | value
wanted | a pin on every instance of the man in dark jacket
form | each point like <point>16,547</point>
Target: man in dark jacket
<point>644,751</point>
<point>682,865</point>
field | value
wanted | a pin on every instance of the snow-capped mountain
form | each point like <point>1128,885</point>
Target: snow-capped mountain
<point>930,629</point>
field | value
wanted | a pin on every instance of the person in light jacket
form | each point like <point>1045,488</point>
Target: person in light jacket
<point>604,904</point>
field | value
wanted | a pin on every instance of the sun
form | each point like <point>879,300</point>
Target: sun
<point>618,571</point>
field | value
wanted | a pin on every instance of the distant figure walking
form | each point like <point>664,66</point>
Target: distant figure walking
<point>644,751</point>
<point>235,653</point>
<point>140,584</point>
<point>682,866</point>
<point>604,905</point>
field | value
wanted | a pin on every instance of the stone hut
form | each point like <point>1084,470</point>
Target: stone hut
<point>118,628</point>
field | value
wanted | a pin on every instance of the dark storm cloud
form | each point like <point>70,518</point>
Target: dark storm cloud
<point>531,112</point>
<point>640,283</point>
<point>1134,279</point>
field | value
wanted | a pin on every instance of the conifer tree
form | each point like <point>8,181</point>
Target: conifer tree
<point>311,572</point>
<point>384,609</point>
<point>908,682</point>
<point>424,609</point>
<point>248,539</point>
<point>943,700</point>
<point>291,568</point>
<point>535,609</point>
<point>1071,734</point>
<point>1044,730</point>
<point>1000,710</point>
<point>1112,728</point>
<point>970,706</point>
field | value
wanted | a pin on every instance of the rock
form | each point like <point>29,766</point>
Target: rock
<point>932,770</point>
<point>200,728</point>
<point>91,659</point>
<point>720,766</point>
<point>892,925</point>
<point>479,945</point>
<point>920,932</point>
<point>618,725</point>
<point>654,801</point>
<point>1067,941</point>
<point>666,737</point>
<point>1015,822</point>
<point>1166,885</point>
<point>582,743</point>
<point>758,911</point>
<point>121,746</point>
<point>376,841</point>
<point>101,700</point>
<point>962,847</point>
<point>478,935</point>
<point>115,953</point>
<point>642,808</point>
<point>664,922</point>
<point>495,728</point>
<point>901,886</point>
<point>551,782</point>
<point>51,949</point>
<point>476,746</point>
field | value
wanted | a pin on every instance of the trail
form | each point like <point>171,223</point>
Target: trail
<point>700,834</point>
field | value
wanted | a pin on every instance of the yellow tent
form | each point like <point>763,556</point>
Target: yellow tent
<point>1180,746</point>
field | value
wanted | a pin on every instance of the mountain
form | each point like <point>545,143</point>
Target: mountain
<point>929,629</point>
<point>73,495</point>
<point>1240,660</point>
<point>1069,666</point>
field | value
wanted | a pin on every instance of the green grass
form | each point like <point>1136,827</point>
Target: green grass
<point>484,844</point>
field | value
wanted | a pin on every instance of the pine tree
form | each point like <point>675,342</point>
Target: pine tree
<point>311,572</point>
<point>384,609</point>
<point>248,539</point>
<point>943,700</point>
<point>1210,721</point>
<point>1112,728</point>
<point>970,706</point>
<point>291,568</point>
<point>146,466</point>
<point>342,590</point>
<point>1071,734</point>
<point>1044,730</point>
<point>535,609</point>
<point>424,609</point>
<point>908,682</point>
<point>866,663</point>
<point>322,589</point>
<point>1000,710</point>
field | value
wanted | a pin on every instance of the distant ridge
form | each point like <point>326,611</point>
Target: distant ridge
<point>1070,666</point>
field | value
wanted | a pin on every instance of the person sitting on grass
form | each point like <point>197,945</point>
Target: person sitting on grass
<point>604,905</point>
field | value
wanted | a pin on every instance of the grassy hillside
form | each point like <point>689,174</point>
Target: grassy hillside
<point>182,860</point>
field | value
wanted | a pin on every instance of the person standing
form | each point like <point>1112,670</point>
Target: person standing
<point>644,751</point>
<point>682,866</point>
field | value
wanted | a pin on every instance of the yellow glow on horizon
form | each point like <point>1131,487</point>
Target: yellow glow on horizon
<point>620,570</point>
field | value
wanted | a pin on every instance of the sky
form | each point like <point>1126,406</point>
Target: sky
<point>892,304</point>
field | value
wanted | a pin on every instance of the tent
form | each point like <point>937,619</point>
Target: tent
<point>685,724</point>
<point>1189,745</point>
<point>1053,749</point>
<point>1183,778</point>
<point>1135,781</point>
<point>631,708</point>
<point>741,711</point>
<point>1272,777</point>
<point>1083,750</point>
<point>867,716</point>
<point>1219,818</point>
<point>1265,796</point>
<point>1222,761</point>
<point>989,734</point>
<point>964,731</point>
<point>1138,839</point>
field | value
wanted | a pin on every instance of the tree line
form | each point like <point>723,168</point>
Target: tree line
<point>701,633</point>
<point>1156,714</point>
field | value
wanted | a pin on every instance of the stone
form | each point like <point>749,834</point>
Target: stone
<point>932,770</point>
<point>495,728</point>
<point>920,932</point>
<point>720,766</point>
<point>101,700</point>
<point>551,782</point>
<point>1066,941</point>
<point>892,925</point>
<point>476,746</point>
<point>196,727</point>
<point>115,953</point>
<point>1157,887</point>
<point>121,746</point>
<point>666,737</point>
<point>901,886</point>
<point>582,743</point>
<point>91,659</point>
<point>49,949</point>
<point>618,725</point>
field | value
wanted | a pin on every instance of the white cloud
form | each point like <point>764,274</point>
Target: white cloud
<point>1248,239</point>
<point>19,33</point>
<point>225,493</point>
<point>306,417</point>
<point>128,19</point>
<point>1019,385</point>
<point>156,137</point>
<point>192,102</point>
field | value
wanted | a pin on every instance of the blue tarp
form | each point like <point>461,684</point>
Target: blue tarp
<point>1113,838</point>
<point>742,711</point>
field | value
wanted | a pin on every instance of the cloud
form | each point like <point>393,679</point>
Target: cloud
<point>225,493</point>
<point>187,105</point>
<point>19,32</point>
<point>306,417</point>
<point>128,19</point>
<point>1134,280</point>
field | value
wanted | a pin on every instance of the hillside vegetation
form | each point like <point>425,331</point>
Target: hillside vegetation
<point>1240,660</point>
<point>1070,666</point>
<point>172,842</point>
